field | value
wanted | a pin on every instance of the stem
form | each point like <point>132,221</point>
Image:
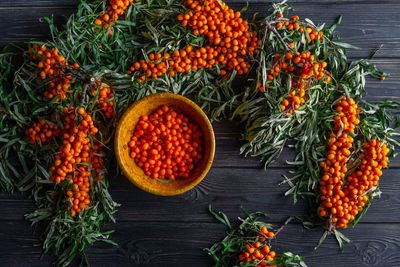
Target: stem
<point>269,26</point>
<point>85,87</point>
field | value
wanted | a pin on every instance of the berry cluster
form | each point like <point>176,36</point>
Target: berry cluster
<point>293,24</point>
<point>303,70</point>
<point>339,201</point>
<point>52,65</point>
<point>228,34</point>
<point>76,149</point>
<point>42,132</point>
<point>105,101</point>
<point>259,253</point>
<point>224,28</point>
<point>166,145</point>
<point>79,159</point>
<point>373,159</point>
<point>347,202</point>
<point>181,61</point>
<point>115,9</point>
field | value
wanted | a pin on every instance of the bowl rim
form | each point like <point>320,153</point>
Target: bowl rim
<point>153,190</point>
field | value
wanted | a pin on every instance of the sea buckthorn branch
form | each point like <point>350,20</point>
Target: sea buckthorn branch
<point>27,170</point>
<point>344,198</point>
<point>62,74</point>
<point>250,244</point>
<point>81,190</point>
<point>381,115</point>
<point>341,204</point>
<point>53,66</point>
<point>78,170</point>
<point>279,27</point>
<point>304,73</point>
<point>228,43</point>
<point>79,159</point>
<point>335,166</point>
<point>71,163</point>
<point>300,65</point>
<point>349,200</point>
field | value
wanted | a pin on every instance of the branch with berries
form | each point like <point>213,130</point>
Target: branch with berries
<point>249,244</point>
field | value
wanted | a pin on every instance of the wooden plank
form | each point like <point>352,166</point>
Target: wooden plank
<point>226,189</point>
<point>160,247</point>
<point>16,28</point>
<point>368,29</point>
<point>379,90</point>
<point>19,238</point>
<point>58,3</point>
<point>372,245</point>
<point>181,244</point>
<point>63,3</point>
<point>38,3</point>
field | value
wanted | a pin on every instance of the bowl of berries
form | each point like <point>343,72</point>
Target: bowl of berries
<point>165,144</point>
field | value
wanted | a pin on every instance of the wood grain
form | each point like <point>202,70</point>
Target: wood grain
<point>153,244</point>
<point>16,28</point>
<point>224,188</point>
<point>73,3</point>
<point>368,29</point>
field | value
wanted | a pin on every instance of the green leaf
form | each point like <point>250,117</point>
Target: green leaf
<point>220,216</point>
<point>341,239</point>
<point>345,45</point>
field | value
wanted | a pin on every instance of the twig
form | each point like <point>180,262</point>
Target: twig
<point>272,28</point>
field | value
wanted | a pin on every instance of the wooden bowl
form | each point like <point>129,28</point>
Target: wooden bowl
<point>125,130</point>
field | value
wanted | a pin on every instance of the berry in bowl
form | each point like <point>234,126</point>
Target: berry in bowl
<point>165,144</point>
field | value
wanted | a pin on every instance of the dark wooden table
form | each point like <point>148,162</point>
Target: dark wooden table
<point>158,231</point>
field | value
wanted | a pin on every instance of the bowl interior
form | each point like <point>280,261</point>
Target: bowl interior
<point>125,130</point>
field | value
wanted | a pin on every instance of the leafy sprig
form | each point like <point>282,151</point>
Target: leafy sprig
<point>226,252</point>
